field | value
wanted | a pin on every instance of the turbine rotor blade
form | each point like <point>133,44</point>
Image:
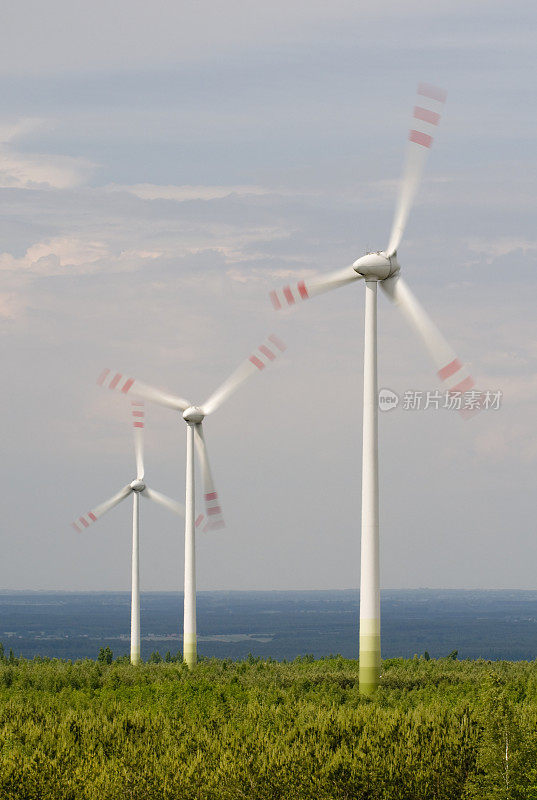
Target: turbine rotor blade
<point>426,117</point>
<point>199,522</point>
<point>263,356</point>
<point>92,516</point>
<point>115,380</point>
<point>138,422</point>
<point>303,290</point>
<point>215,520</point>
<point>450,370</point>
<point>163,500</point>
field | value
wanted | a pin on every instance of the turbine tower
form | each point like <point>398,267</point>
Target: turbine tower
<point>383,267</point>
<point>194,416</point>
<point>136,487</point>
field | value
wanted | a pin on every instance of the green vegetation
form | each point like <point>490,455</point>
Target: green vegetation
<point>262,730</point>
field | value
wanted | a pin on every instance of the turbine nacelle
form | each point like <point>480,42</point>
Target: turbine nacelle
<point>377,265</point>
<point>193,414</point>
<point>137,485</point>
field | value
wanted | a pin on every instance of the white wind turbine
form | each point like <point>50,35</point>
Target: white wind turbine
<point>382,267</point>
<point>137,487</point>
<point>194,416</point>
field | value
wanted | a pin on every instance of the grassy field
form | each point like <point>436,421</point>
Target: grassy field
<point>262,730</point>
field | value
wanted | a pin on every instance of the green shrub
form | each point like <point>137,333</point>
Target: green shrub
<point>436,730</point>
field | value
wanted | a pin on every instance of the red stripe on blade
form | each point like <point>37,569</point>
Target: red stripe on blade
<point>426,115</point>
<point>102,377</point>
<point>211,495</point>
<point>301,286</point>
<point>464,386</point>
<point>214,510</point>
<point>278,342</point>
<point>266,352</point>
<point>434,92</point>
<point>138,424</point>
<point>92,516</point>
<point>84,523</point>
<point>288,294</point>
<point>138,413</point>
<point>449,369</point>
<point>258,363</point>
<point>275,300</point>
<point>420,138</point>
<point>115,380</point>
<point>199,520</point>
<point>127,385</point>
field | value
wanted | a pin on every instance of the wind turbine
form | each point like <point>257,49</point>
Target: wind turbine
<point>383,267</point>
<point>194,416</point>
<point>136,487</point>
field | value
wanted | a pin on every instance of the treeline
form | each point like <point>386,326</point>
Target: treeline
<point>263,730</point>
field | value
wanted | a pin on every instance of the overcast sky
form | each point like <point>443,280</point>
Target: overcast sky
<point>162,167</point>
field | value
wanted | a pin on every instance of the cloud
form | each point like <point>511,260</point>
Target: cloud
<point>22,127</point>
<point>151,191</point>
<point>269,271</point>
<point>10,305</point>
<point>19,170</point>
<point>164,272</point>
<point>130,36</point>
<point>507,439</point>
<point>67,254</point>
<point>501,246</point>
<point>32,170</point>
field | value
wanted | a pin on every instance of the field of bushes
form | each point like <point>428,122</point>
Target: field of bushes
<point>261,730</point>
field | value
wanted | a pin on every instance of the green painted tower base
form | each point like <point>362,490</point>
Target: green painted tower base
<point>369,667</point>
<point>190,655</point>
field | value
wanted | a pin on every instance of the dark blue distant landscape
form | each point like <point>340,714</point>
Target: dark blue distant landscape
<point>280,625</point>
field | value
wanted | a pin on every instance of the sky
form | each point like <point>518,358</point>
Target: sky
<point>164,166</point>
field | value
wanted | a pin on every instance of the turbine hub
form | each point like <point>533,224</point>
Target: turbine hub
<point>137,485</point>
<point>193,414</point>
<point>377,265</point>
